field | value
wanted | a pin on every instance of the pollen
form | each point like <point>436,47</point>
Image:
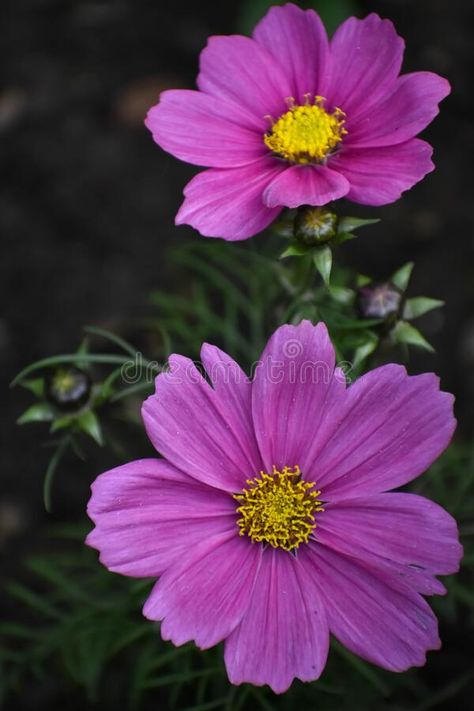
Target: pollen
<point>278,508</point>
<point>306,133</point>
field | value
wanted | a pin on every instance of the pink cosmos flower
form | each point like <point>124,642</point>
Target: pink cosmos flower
<point>269,520</point>
<point>287,118</point>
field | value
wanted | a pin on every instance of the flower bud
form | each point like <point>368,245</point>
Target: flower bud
<point>314,225</point>
<point>68,388</point>
<point>379,301</point>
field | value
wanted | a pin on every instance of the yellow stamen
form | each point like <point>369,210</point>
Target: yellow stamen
<point>278,509</point>
<point>306,134</point>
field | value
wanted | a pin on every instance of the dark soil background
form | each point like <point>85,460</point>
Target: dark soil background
<point>87,200</point>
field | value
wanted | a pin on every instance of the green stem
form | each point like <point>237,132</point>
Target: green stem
<point>51,471</point>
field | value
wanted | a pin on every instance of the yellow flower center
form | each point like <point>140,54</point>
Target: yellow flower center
<point>278,508</point>
<point>63,381</point>
<point>306,134</point>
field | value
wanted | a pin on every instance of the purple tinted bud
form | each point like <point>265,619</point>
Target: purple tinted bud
<point>379,301</point>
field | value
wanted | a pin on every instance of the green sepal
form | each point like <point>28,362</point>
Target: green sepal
<point>420,305</point>
<point>342,237</point>
<point>105,390</point>
<point>39,412</point>
<point>82,353</point>
<point>89,423</point>
<point>62,423</point>
<point>349,224</point>
<point>406,334</point>
<point>363,280</point>
<point>35,386</point>
<point>295,249</point>
<point>322,258</point>
<point>402,276</point>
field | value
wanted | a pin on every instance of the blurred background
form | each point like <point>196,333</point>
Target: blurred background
<point>87,205</point>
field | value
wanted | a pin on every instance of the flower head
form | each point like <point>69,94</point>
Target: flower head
<point>269,521</point>
<point>288,118</point>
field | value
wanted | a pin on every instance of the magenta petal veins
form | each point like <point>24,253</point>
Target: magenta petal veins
<point>269,522</point>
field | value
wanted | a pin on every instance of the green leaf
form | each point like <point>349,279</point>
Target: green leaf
<point>32,599</point>
<point>402,276</point>
<point>420,305</point>
<point>295,250</point>
<point>322,258</point>
<point>48,570</point>
<point>349,224</point>
<point>89,423</point>
<point>12,629</point>
<point>405,333</point>
<point>39,412</point>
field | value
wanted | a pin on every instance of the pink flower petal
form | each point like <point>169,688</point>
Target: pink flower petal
<point>305,185</point>
<point>205,595</point>
<point>234,390</point>
<point>380,175</point>
<point>365,59</point>
<point>228,203</point>
<point>387,429</point>
<point>147,514</point>
<point>297,40</point>
<point>204,130</point>
<point>292,382</point>
<point>379,623</point>
<point>284,632</point>
<point>240,69</point>
<point>402,114</point>
<point>195,428</point>
<point>410,537</point>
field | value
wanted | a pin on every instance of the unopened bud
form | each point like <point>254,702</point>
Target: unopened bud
<point>379,301</point>
<point>314,225</point>
<point>68,388</point>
